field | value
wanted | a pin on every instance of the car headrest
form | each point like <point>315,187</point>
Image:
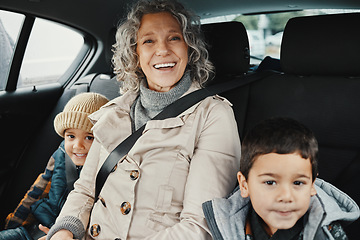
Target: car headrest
<point>228,47</point>
<point>322,45</point>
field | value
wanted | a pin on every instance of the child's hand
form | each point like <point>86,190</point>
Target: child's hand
<point>44,229</point>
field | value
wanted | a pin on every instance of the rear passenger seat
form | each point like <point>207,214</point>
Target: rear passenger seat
<point>300,88</point>
<point>301,91</point>
<point>321,75</point>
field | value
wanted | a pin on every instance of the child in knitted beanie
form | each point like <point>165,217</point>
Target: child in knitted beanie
<point>44,200</point>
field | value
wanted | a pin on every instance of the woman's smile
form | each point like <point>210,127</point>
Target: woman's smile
<point>163,66</point>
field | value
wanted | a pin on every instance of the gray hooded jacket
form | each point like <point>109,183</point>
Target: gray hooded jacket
<point>226,217</point>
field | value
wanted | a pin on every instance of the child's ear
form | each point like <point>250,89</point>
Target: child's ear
<point>313,190</point>
<point>243,185</point>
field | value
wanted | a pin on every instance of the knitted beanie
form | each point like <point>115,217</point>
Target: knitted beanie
<point>76,112</point>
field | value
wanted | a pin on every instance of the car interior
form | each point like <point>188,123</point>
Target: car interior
<point>315,79</point>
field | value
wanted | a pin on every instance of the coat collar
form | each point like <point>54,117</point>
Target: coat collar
<point>112,123</point>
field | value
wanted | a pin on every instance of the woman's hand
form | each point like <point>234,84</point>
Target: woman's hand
<point>62,235</point>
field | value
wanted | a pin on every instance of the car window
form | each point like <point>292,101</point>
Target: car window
<point>265,30</point>
<point>50,50</point>
<point>10,25</point>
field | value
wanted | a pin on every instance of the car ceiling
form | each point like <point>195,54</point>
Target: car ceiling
<point>97,17</point>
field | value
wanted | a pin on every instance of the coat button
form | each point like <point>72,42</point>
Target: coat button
<point>95,230</point>
<point>125,208</point>
<point>134,175</point>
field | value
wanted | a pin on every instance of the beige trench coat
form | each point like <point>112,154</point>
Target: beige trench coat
<point>157,190</point>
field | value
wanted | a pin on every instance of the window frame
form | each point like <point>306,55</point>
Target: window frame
<point>76,68</point>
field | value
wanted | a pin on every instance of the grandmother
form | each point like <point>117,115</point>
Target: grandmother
<point>157,189</point>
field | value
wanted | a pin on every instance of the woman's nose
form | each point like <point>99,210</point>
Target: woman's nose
<point>162,49</point>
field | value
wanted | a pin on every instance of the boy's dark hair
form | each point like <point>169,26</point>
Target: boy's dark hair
<point>282,136</point>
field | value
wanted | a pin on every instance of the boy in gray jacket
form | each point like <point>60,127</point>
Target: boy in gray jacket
<point>278,196</point>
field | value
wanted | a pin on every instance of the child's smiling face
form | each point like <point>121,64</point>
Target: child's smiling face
<point>77,144</point>
<point>280,187</point>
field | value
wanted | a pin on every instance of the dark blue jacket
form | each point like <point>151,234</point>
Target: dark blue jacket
<point>47,209</point>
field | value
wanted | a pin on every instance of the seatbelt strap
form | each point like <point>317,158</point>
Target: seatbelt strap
<point>170,111</point>
<point>71,173</point>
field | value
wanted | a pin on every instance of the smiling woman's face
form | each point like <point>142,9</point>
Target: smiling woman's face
<point>162,50</point>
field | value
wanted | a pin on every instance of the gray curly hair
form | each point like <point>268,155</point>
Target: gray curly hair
<point>125,59</point>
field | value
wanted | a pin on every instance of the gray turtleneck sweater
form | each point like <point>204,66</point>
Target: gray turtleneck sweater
<point>149,103</point>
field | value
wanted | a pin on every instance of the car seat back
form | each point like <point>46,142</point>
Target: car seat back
<point>228,47</point>
<point>326,45</point>
<point>319,57</point>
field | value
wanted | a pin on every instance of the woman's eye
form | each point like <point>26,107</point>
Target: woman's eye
<point>270,182</point>
<point>175,38</point>
<point>148,41</point>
